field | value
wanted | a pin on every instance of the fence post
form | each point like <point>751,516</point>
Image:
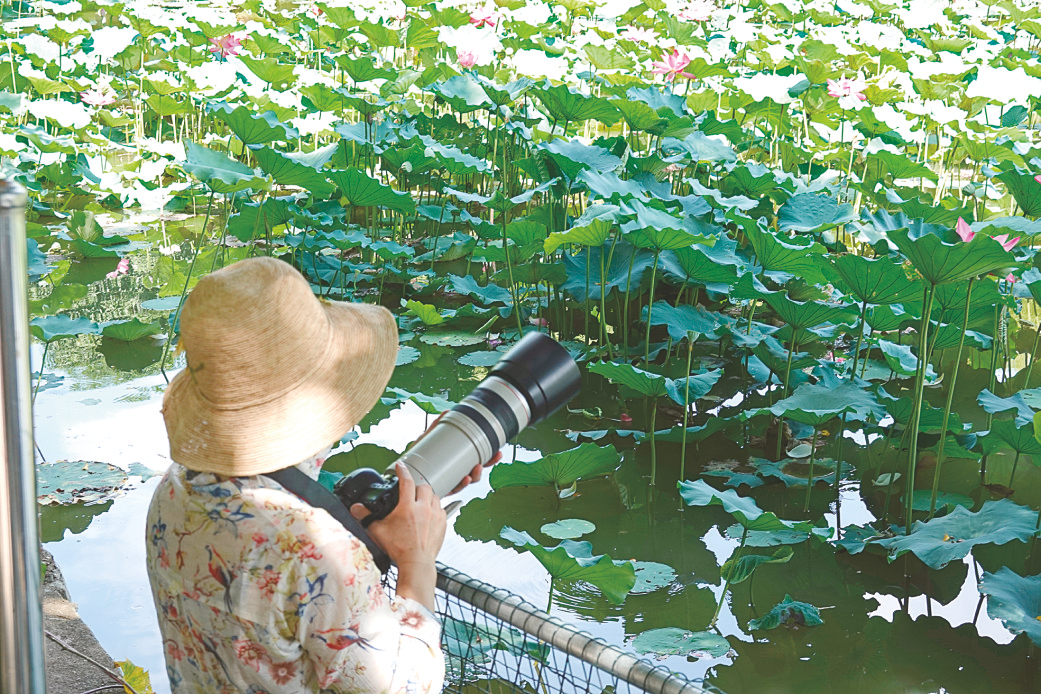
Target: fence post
<point>22,666</point>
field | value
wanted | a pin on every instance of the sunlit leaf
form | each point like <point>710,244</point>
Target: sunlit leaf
<point>574,561</point>
<point>675,641</point>
<point>1015,600</point>
<point>557,469</point>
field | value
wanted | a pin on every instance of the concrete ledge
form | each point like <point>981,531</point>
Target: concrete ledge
<point>67,672</point>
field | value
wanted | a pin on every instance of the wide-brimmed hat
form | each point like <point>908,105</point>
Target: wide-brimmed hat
<point>274,374</point>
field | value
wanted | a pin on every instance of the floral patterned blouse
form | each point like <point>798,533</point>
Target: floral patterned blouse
<point>258,592</point>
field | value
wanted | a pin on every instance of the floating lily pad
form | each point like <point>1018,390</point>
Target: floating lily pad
<point>651,575</point>
<point>453,339</point>
<point>568,529</point>
<point>482,358</point>
<point>78,482</point>
<point>406,355</point>
<point>675,641</point>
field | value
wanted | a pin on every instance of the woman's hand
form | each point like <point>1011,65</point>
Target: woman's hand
<point>411,535</point>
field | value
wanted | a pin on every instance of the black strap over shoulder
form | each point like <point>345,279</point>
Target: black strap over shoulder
<point>294,479</point>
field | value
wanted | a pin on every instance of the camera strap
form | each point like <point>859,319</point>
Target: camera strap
<point>296,481</point>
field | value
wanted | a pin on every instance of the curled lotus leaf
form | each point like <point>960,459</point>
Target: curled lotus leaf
<point>789,613</point>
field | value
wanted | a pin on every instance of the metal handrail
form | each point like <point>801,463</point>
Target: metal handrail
<point>22,659</point>
<point>516,612</point>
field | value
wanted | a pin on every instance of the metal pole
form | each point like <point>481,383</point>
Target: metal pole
<point>22,665</point>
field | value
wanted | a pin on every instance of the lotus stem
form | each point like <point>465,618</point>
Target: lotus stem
<point>625,306</point>
<point>39,378</point>
<point>809,480</point>
<point>950,399</point>
<point>1015,463</point>
<point>686,405</point>
<point>650,305</point>
<point>916,410</point>
<point>726,585</point>
<point>860,338</point>
<point>1033,357</point>
<point>604,339</point>
<point>654,455</point>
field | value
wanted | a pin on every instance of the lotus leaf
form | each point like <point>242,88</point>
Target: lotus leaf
<point>452,339</point>
<point>816,404</point>
<point>993,404</point>
<point>431,404</point>
<point>811,212</point>
<point>251,128</point>
<point>559,470</point>
<point>289,172</point>
<point>874,281</point>
<point>940,541</point>
<point>77,482</point>
<point>568,106</point>
<point>574,561</point>
<point>1024,189</point>
<point>773,538</point>
<point>790,258</point>
<point>789,613</point>
<point>220,173</point>
<point>744,509</point>
<point>685,318</point>
<point>692,388</point>
<point>571,528</point>
<point>782,470</point>
<point>921,500</point>
<point>481,358</point>
<point>739,569</point>
<point>940,263</point>
<point>50,328</point>
<point>652,576</point>
<point>361,190</point>
<point>675,641</point>
<point>406,355</point>
<point>572,156</point>
<point>1015,600</point>
<point>129,330</point>
<point>488,294</point>
<point>699,147</point>
<point>1008,433</point>
<point>902,359</point>
<point>643,382</point>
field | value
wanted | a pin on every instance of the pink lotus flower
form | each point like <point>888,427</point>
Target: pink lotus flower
<point>1006,243</point>
<point>467,59</point>
<point>97,97</point>
<point>226,45</point>
<point>673,66</point>
<point>1037,178</point>
<point>494,340</point>
<point>483,18</point>
<point>697,11</point>
<point>539,322</point>
<point>624,418</point>
<point>849,92</point>
<point>1011,279</point>
<point>122,268</point>
<point>964,231</point>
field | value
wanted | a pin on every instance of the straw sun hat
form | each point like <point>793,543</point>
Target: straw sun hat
<point>274,374</point>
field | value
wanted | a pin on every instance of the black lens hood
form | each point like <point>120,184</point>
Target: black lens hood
<point>540,368</point>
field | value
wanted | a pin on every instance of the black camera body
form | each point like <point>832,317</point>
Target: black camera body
<point>534,379</point>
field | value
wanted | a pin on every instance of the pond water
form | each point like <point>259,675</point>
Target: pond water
<point>887,626</point>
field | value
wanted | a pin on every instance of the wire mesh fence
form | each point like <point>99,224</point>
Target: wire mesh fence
<point>496,643</point>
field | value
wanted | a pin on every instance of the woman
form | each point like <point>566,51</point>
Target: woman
<point>257,591</point>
